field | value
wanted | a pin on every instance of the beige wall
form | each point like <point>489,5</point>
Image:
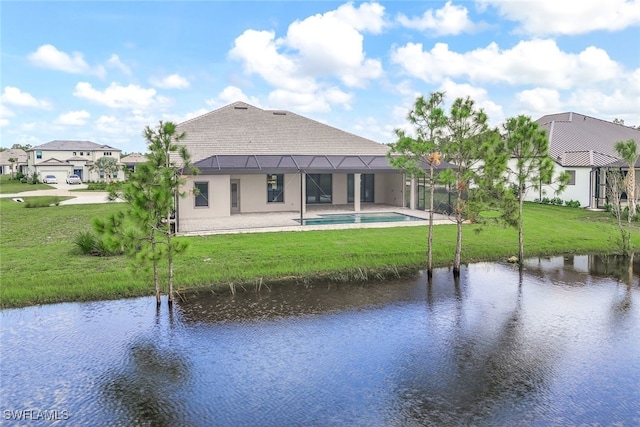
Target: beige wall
<point>253,194</point>
<point>64,155</point>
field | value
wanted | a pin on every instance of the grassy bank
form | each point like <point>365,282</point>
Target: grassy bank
<point>40,264</point>
<point>11,186</point>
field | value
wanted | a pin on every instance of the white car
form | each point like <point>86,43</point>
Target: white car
<point>50,179</point>
<point>74,179</point>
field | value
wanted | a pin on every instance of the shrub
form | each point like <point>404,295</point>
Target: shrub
<point>90,244</point>
<point>557,201</point>
<point>43,202</point>
<point>572,203</point>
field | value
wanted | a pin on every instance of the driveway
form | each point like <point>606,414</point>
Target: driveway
<point>79,197</point>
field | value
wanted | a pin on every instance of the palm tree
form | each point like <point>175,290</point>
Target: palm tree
<point>628,151</point>
<point>108,165</point>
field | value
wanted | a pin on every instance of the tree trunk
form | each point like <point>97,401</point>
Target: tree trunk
<point>156,279</point>
<point>430,238</point>
<point>170,256</point>
<point>456,260</point>
<point>520,232</point>
<point>631,193</point>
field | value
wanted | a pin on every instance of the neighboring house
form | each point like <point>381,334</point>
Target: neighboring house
<point>584,147</point>
<point>64,158</point>
<point>255,160</point>
<point>131,161</point>
<point>7,167</point>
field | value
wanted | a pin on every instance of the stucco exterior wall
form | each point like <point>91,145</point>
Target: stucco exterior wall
<point>389,189</point>
<point>62,171</point>
<point>219,198</point>
<point>579,191</point>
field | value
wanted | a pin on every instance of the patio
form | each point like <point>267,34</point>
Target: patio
<point>289,221</point>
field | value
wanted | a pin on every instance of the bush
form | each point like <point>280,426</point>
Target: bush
<point>43,202</point>
<point>90,244</point>
<point>572,203</point>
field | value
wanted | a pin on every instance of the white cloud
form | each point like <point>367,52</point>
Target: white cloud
<point>538,62</point>
<point>367,17</point>
<point>544,17</point>
<point>5,114</point>
<point>324,47</point>
<point>307,102</point>
<point>479,95</point>
<point>173,81</point>
<point>48,56</point>
<point>258,51</point>
<point>116,96</point>
<point>231,94</point>
<point>114,62</point>
<point>449,20</point>
<point>74,118</point>
<point>14,96</point>
<point>328,45</point>
<point>539,101</point>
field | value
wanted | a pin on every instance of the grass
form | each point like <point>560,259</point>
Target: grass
<point>40,264</point>
<point>11,186</point>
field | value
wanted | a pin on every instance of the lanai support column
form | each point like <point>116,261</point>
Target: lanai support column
<point>356,192</point>
<point>412,190</point>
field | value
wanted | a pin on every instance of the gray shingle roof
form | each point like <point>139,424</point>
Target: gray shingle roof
<point>242,129</point>
<point>12,153</point>
<point>59,145</point>
<point>579,140</point>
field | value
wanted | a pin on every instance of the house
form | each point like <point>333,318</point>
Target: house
<point>584,147</point>
<point>12,161</point>
<point>64,158</point>
<point>252,160</point>
<point>131,161</point>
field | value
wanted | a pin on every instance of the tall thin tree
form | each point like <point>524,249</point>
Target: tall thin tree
<point>170,160</point>
<point>628,151</point>
<point>412,153</point>
<point>530,164</point>
<point>475,151</point>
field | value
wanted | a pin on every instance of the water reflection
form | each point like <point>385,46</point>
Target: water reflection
<point>147,386</point>
<point>554,344</point>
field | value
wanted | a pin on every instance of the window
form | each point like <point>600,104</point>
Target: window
<point>115,174</point>
<point>101,174</point>
<point>107,153</point>
<point>74,153</point>
<point>201,191</point>
<point>82,153</point>
<point>38,154</point>
<point>319,188</point>
<point>275,188</point>
<point>366,187</point>
<point>572,177</point>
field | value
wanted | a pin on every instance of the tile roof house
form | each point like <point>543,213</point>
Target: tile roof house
<point>19,158</point>
<point>64,158</point>
<point>584,147</point>
<point>253,160</point>
<point>130,161</point>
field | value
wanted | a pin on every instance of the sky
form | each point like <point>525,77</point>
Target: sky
<point>104,70</point>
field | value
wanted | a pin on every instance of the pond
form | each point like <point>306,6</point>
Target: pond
<point>558,345</point>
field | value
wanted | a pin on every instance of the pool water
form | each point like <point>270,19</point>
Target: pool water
<point>358,218</point>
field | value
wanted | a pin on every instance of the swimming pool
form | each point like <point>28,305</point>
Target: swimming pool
<point>359,218</point>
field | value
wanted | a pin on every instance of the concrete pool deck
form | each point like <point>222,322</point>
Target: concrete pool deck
<point>289,221</point>
<point>254,222</point>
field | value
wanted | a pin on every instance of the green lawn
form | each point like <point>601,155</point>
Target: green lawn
<point>10,186</point>
<point>40,264</point>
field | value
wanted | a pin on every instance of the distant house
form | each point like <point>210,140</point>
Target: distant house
<point>130,161</point>
<point>19,163</point>
<point>253,160</point>
<point>583,147</point>
<point>64,158</point>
